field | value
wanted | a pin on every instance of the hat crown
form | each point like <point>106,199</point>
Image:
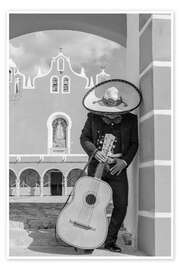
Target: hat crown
<point>111,93</point>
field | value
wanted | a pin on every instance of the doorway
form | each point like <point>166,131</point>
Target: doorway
<point>56,183</point>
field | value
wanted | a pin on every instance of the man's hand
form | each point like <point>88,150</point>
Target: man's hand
<point>100,156</point>
<point>118,167</point>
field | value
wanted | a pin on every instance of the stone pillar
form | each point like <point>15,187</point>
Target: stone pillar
<point>154,219</point>
<point>17,187</point>
<point>41,186</point>
<point>65,185</point>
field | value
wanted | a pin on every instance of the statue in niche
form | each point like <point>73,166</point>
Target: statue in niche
<point>59,133</point>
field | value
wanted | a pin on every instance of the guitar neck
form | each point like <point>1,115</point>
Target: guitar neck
<point>107,145</point>
<point>99,170</point>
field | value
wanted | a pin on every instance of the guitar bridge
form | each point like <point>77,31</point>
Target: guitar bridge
<point>81,225</point>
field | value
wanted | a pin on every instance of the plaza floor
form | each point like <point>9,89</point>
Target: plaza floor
<point>31,231</point>
<point>42,243</point>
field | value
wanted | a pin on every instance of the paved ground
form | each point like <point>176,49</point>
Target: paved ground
<point>37,199</point>
<point>32,232</point>
<point>41,215</point>
<point>42,243</point>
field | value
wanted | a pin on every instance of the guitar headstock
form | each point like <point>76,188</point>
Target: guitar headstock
<point>108,143</point>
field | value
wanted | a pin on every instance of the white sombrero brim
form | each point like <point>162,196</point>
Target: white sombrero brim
<point>127,91</point>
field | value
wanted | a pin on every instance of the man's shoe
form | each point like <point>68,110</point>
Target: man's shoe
<point>113,248</point>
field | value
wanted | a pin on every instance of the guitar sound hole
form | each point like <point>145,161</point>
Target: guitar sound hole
<point>90,199</point>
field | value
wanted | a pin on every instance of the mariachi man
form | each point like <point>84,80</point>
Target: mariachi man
<point>109,105</point>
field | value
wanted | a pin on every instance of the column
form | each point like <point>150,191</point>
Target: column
<point>65,184</point>
<point>17,187</point>
<point>41,186</point>
<point>154,216</point>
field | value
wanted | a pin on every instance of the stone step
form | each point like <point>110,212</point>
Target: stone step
<point>16,225</point>
<point>19,238</point>
<point>38,199</point>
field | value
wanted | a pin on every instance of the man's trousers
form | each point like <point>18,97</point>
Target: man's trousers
<point>119,186</point>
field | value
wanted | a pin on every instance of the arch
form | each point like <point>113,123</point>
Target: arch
<point>12,182</point>
<point>53,182</point>
<point>66,85</point>
<point>29,182</point>
<point>73,176</point>
<point>12,178</point>
<point>109,26</point>
<point>50,120</point>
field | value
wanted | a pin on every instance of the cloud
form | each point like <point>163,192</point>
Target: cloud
<point>16,52</point>
<point>41,37</point>
<point>90,49</point>
<point>36,50</point>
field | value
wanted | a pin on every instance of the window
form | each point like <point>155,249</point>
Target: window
<point>61,64</point>
<point>66,85</point>
<point>54,84</point>
<point>59,129</point>
<point>17,85</point>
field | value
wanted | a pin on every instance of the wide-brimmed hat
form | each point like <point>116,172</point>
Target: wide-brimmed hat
<point>112,96</point>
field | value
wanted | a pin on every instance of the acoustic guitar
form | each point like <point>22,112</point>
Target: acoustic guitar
<point>83,222</point>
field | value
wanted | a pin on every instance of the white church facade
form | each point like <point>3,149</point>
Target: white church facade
<point>46,117</point>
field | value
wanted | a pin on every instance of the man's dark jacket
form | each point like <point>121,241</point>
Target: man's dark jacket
<point>128,135</point>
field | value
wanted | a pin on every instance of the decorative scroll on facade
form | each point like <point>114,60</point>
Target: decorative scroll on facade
<point>17,86</point>
<point>10,75</point>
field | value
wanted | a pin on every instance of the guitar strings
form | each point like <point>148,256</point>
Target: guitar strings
<point>97,184</point>
<point>92,189</point>
<point>84,211</point>
<point>87,212</point>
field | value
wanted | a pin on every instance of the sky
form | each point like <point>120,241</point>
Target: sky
<point>92,52</point>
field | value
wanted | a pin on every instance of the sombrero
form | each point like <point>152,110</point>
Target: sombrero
<point>112,96</point>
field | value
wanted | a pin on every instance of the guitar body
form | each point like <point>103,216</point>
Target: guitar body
<point>83,223</point>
